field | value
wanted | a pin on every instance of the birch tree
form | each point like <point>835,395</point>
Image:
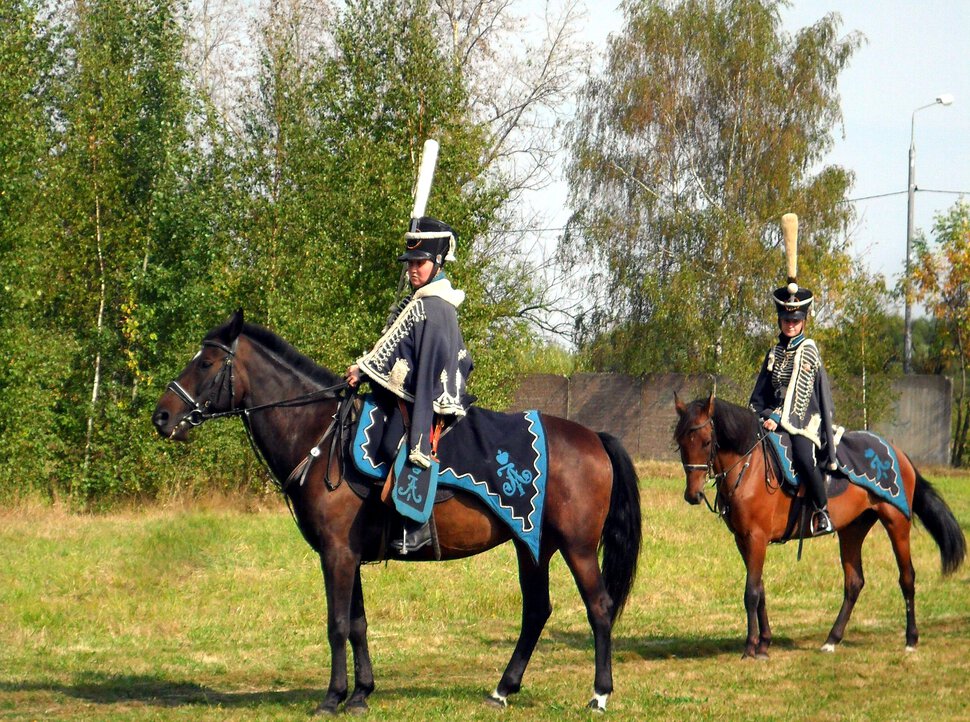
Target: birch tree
<point>708,123</point>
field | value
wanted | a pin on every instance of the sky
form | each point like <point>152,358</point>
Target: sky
<point>915,50</point>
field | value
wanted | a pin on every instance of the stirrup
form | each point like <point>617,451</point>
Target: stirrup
<point>821,523</point>
<point>411,541</point>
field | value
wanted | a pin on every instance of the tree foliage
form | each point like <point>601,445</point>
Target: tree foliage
<point>941,281</point>
<point>707,124</point>
<point>332,148</point>
<point>860,345</point>
<point>137,211</point>
<point>34,361</point>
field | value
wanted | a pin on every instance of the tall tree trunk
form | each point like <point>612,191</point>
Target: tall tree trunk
<point>96,385</point>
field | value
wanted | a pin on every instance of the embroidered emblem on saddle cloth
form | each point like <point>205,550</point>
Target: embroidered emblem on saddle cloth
<point>864,458</point>
<point>500,458</point>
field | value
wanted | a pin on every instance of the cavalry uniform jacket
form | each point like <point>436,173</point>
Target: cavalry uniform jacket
<point>421,358</point>
<point>793,389</point>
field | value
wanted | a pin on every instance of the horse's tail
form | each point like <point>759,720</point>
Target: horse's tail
<point>940,523</point>
<point>620,541</point>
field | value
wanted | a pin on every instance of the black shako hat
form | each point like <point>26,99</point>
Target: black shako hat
<point>429,239</point>
<point>792,302</point>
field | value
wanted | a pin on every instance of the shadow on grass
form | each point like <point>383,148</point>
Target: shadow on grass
<point>664,647</point>
<point>161,692</point>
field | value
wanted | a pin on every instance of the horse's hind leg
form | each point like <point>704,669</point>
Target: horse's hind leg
<point>584,565</point>
<point>363,670</point>
<point>536,608</point>
<point>850,548</point>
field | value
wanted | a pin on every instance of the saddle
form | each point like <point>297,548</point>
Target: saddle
<point>864,459</point>
<point>499,458</point>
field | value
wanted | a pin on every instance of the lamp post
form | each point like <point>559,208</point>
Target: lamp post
<point>944,99</point>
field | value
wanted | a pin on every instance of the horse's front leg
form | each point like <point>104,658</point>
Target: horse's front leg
<point>753,550</point>
<point>340,569</point>
<point>363,670</point>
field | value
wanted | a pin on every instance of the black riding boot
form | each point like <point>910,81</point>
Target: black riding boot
<point>821,523</point>
<point>414,536</point>
<point>804,458</point>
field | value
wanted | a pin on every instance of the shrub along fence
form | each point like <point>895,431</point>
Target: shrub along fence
<point>639,410</point>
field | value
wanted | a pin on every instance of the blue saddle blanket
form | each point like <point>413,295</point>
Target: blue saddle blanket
<point>500,458</point>
<point>864,458</point>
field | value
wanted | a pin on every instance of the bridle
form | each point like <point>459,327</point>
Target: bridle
<point>717,477</point>
<point>709,466</point>
<point>200,412</point>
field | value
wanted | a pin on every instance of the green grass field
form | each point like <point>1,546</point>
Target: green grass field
<point>212,611</point>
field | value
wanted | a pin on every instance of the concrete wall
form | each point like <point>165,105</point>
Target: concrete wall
<point>921,419</point>
<point>639,410</point>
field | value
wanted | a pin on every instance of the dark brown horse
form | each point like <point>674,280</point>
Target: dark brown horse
<point>722,442</point>
<point>287,403</point>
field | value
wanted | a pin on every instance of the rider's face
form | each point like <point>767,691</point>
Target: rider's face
<point>791,327</point>
<point>419,272</point>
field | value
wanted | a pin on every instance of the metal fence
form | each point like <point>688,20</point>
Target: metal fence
<point>639,410</point>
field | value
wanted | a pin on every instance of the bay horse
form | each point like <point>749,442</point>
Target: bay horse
<point>286,402</point>
<point>726,443</point>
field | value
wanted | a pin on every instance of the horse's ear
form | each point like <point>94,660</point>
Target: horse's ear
<point>710,405</point>
<point>681,409</point>
<point>235,325</point>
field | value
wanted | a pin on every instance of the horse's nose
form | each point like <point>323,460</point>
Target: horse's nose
<point>160,419</point>
<point>692,498</point>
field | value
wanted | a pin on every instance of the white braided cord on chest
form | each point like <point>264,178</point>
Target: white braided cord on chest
<point>793,373</point>
<point>412,314</point>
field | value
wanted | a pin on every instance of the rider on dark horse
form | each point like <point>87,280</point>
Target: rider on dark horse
<point>792,396</point>
<point>419,366</point>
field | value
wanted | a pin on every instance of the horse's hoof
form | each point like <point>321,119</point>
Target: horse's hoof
<point>910,648</point>
<point>496,701</point>
<point>358,707</point>
<point>325,709</point>
<point>761,656</point>
<point>828,647</point>
<point>598,703</point>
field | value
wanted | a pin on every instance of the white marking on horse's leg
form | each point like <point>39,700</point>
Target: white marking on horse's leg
<point>599,701</point>
<point>500,698</point>
<point>828,647</point>
<point>910,649</point>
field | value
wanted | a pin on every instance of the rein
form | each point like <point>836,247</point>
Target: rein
<point>717,478</point>
<point>200,413</point>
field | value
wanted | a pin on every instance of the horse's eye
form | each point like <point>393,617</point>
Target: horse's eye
<point>205,363</point>
<point>707,443</point>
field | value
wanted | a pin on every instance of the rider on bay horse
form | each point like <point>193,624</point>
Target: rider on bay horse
<point>419,366</point>
<point>792,395</point>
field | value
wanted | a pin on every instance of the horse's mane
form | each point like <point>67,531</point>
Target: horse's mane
<point>283,350</point>
<point>735,427</point>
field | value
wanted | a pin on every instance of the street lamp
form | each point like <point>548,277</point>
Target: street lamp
<point>944,99</point>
